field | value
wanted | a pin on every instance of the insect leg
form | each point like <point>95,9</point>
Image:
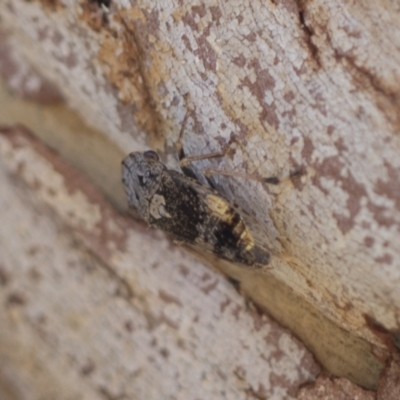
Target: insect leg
<point>179,143</point>
<point>272,180</point>
<point>185,161</point>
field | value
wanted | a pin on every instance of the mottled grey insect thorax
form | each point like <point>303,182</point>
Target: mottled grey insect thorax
<point>141,178</point>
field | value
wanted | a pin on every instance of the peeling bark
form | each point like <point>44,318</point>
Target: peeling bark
<point>106,309</point>
<point>292,85</point>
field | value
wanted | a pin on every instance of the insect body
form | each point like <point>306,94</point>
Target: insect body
<point>190,211</point>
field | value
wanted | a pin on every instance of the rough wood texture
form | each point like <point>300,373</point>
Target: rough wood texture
<point>296,84</point>
<point>95,306</point>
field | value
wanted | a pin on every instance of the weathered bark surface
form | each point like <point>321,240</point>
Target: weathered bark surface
<point>95,306</point>
<point>312,86</point>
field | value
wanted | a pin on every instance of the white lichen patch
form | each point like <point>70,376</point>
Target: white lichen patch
<point>50,185</point>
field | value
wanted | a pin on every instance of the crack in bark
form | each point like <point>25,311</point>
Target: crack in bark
<point>124,289</point>
<point>372,79</point>
<point>308,32</point>
<point>155,118</point>
<point>363,78</point>
<point>104,392</point>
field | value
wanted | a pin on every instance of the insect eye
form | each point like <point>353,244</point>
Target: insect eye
<point>151,155</point>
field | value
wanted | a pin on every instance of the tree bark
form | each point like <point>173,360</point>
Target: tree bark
<point>308,87</point>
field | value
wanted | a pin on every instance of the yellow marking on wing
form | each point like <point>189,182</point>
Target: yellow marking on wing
<point>224,211</point>
<point>220,208</point>
<point>245,238</point>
